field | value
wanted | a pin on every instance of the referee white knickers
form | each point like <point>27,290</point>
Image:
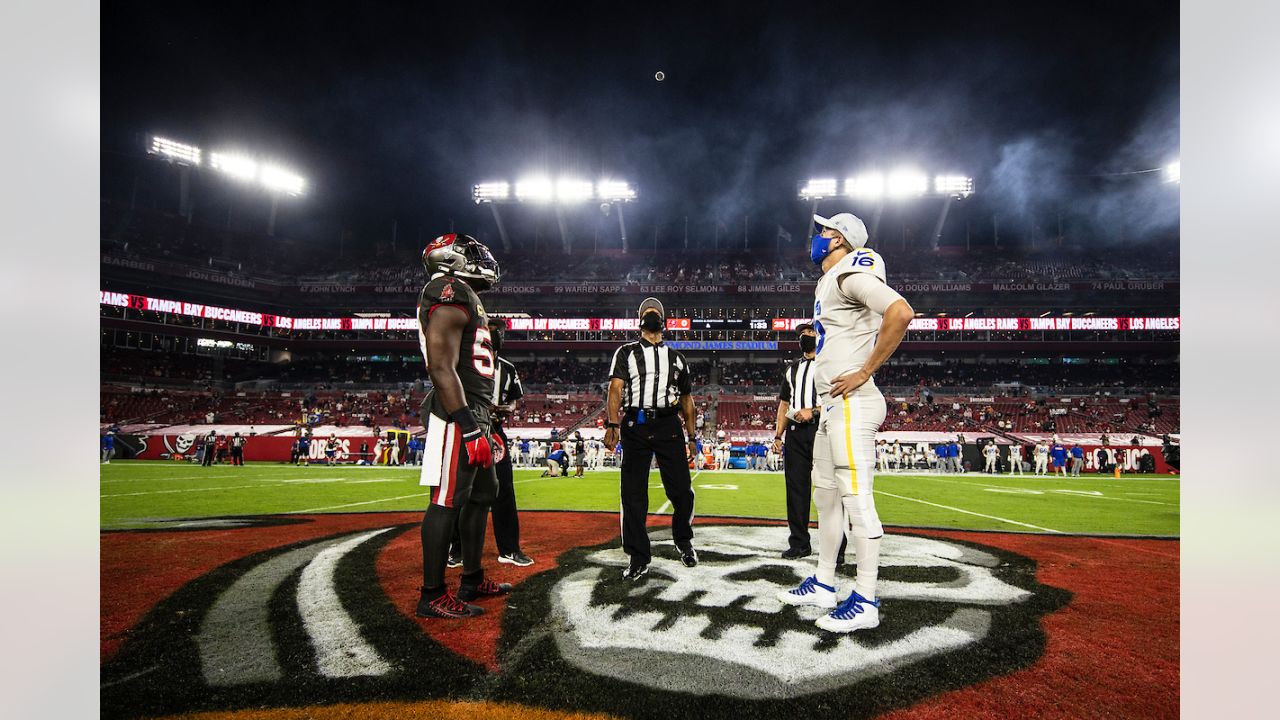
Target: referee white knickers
<point>844,455</point>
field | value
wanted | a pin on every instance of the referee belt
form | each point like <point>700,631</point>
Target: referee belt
<point>631,413</point>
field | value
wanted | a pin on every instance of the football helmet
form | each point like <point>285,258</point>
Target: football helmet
<point>464,257</point>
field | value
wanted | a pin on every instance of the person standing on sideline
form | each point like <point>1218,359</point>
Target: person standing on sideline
<point>393,457</point>
<point>649,386</point>
<point>860,321</point>
<point>579,454</point>
<point>1059,455</point>
<point>1015,459</point>
<point>795,428</point>
<point>1077,459</point>
<point>108,447</point>
<point>1042,458</point>
<point>210,448</point>
<point>237,449</point>
<point>992,453</point>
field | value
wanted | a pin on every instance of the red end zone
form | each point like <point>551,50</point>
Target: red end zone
<point>1112,651</point>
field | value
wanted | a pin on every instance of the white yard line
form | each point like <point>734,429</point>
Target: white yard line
<point>187,490</point>
<point>666,506</point>
<point>354,504</point>
<point>968,512</point>
<point>1061,493</point>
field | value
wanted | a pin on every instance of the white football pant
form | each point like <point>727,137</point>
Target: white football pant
<point>843,474</point>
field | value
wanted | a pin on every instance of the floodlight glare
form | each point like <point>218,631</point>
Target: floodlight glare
<point>239,166</point>
<point>491,192</point>
<point>956,186</point>
<point>177,152</point>
<point>869,186</point>
<point>1173,172</point>
<point>907,184</point>
<point>280,180</point>
<point>816,189</point>
<point>535,190</point>
<point>569,190</point>
<point>615,190</point>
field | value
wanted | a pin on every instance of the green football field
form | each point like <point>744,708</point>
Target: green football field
<point>142,493</point>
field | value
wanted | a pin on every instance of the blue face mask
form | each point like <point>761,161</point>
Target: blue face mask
<point>820,249</point>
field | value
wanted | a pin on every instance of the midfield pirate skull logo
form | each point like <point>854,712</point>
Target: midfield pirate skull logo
<point>309,623</point>
<point>718,629</point>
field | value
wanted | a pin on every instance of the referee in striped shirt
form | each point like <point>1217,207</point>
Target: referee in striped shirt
<point>649,386</point>
<point>798,409</point>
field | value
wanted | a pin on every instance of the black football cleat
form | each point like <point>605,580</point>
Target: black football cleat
<point>635,571</point>
<point>689,556</point>
<point>454,560</point>
<point>486,588</point>
<point>794,554</point>
<point>446,606</point>
<point>517,558</point>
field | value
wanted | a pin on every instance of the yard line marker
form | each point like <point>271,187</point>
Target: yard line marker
<point>969,512</point>
<point>187,490</point>
<point>354,504</point>
<point>667,505</point>
<point>1072,493</point>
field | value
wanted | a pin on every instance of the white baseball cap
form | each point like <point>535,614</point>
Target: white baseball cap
<point>848,225</point>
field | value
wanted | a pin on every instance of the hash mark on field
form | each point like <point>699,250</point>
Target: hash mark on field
<point>354,504</point>
<point>665,507</point>
<point>968,512</point>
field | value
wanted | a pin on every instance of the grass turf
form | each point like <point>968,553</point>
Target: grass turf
<point>137,494</point>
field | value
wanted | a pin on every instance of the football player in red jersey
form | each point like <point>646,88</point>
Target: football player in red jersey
<point>459,451</point>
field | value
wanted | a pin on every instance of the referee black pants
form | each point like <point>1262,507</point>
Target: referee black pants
<point>506,519</point>
<point>797,458</point>
<point>663,438</point>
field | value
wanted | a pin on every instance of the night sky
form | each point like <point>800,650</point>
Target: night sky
<point>394,114</point>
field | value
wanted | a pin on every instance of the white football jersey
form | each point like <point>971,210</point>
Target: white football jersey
<point>846,328</point>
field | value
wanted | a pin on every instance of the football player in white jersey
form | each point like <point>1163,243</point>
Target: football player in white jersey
<point>882,456</point>
<point>860,322</point>
<point>1015,459</point>
<point>991,453</point>
<point>1042,458</point>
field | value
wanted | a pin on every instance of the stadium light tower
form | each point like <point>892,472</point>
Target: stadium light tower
<point>185,157</point>
<point>1173,172</point>
<point>900,185</point>
<point>492,193</point>
<point>175,152</point>
<point>558,193</point>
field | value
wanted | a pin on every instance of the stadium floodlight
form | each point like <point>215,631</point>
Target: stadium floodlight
<point>570,190</point>
<point>177,152</point>
<point>955,186</point>
<point>819,188</point>
<point>491,192</point>
<point>538,189</point>
<point>868,186</point>
<point>615,191</point>
<point>905,183</point>
<point>1173,172</point>
<point>239,166</point>
<point>277,179</point>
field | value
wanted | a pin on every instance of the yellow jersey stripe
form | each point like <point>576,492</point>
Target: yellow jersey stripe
<point>848,443</point>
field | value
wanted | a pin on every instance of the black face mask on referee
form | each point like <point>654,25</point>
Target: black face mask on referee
<point>649,390</point>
